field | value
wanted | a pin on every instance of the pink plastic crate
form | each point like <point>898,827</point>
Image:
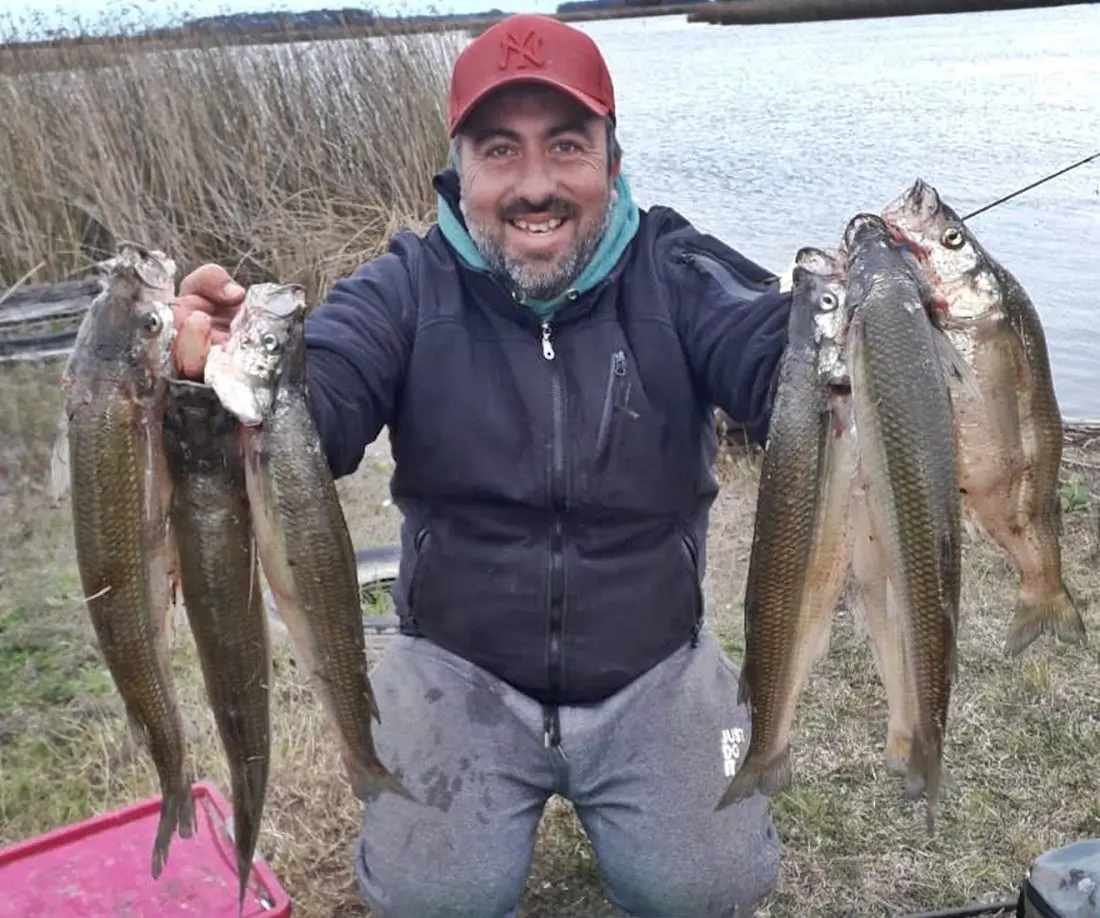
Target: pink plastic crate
<point>100,867</point>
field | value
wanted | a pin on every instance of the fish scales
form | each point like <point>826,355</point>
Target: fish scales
<point>1009,430</point>
<point>302,536</point>
<point>115,385</point>
<point>906,442</point>
<point>801,536</point>
<point>219,574</point>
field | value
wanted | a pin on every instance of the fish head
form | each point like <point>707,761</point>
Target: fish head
<point>246,371</point>
<point>155,270</point>
<point>869,254</point>
<point>865,230</point>
<point>818,282</point>
<point>130,325</point>
<point>951,258</point>
<point>879,259</point>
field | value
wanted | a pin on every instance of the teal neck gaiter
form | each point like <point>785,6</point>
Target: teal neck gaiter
<point>620,231</point>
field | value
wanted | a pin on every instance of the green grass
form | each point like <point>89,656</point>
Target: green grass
<point>1023,736</point>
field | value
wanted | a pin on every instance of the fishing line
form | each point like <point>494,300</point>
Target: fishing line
<point>1009,197</point>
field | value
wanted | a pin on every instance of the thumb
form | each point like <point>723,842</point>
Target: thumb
<point>212,282</point>
<point>192,344</point>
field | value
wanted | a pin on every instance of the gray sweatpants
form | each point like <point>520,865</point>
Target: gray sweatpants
<point>644,770</point>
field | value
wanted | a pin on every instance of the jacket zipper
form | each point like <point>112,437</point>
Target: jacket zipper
<point>693,563</point>
<point>551,723</point>
<point>418,547</point>
<point>617,371</point>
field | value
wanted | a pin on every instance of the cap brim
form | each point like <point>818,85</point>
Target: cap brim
<point>596,107</point>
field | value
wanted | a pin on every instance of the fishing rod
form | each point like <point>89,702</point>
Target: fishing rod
<point>1009,197</point>
<point>1009,906</point>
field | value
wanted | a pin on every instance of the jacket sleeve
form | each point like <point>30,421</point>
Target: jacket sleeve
<point>358,343</point>
<point>732,318</point>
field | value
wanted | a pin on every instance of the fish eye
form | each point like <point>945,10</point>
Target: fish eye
<point>151,323</point>
<point>269,342</point>
<point>828,301</point>
<point>953,237</point>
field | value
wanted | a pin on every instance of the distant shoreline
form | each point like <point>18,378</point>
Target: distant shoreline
<point>103,50</point>
<point>184,37</point>
<point>771,12</point>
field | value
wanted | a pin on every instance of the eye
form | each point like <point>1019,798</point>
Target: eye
<point>953,237</point>
<point>151,323</point>
<point>269,342</point>
<point>828,301</point>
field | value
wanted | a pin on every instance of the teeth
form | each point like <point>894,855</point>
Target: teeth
<point>548,227</point>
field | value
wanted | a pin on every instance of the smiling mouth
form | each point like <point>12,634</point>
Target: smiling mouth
<point>537,227</point>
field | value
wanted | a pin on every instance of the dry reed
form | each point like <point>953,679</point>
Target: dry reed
<point>293,161</point>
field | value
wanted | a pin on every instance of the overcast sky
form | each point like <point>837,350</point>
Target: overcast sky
<point>63,12</point>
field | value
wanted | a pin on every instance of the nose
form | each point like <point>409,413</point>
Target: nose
<point>536,182</point>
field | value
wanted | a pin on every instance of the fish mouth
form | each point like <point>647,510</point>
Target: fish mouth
<point>861,225</point>
<point>283,301</point>
<point>839,387</point>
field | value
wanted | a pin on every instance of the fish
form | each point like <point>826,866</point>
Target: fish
<point>876,610</point>
<point>903,415</point>
<point>115,387</point>
<point>305,549</point>
<point>801,540</point>
<point>1009,437</point>
<point>220,585</point>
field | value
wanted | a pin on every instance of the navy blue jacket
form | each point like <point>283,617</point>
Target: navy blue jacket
<point>555,479</point>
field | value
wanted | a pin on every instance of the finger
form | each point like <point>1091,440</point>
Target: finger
<point>219,315</point>
<point>212,282</point>
<point>193,340</point>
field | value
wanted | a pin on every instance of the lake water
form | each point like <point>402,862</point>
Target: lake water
<point>771,137</point>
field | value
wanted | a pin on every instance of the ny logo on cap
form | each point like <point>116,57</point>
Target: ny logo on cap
<point>527,48</point>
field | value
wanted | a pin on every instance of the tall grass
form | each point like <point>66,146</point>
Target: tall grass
<point>290,161</point>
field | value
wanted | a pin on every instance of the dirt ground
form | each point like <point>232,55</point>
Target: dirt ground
<point>1023,736</point>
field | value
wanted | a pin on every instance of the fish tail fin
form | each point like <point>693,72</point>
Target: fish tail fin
<point>367,782</point>
<point>177,816</point>
<point>244,871</point>
<point>758,775</point>
<point>957,372</point>
<point>1057,615</point>
<point>925,773</point>
<point>372,701</point>
<point>744,686</point>
<point>185,809</point>
<point>248,806</point>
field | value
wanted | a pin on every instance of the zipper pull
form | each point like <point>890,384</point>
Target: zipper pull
<point>547,347</point>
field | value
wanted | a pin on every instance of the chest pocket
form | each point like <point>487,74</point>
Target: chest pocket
<point>616,408</point>
<point>632,454</point>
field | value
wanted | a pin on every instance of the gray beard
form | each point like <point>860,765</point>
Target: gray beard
<point>533,280</point>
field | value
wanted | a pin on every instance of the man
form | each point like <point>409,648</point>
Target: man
<point>546,358</point>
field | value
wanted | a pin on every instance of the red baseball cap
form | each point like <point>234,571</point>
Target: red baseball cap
<point>529,48</point>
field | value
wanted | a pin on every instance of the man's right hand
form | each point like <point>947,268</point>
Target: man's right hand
<point>207,302</point>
